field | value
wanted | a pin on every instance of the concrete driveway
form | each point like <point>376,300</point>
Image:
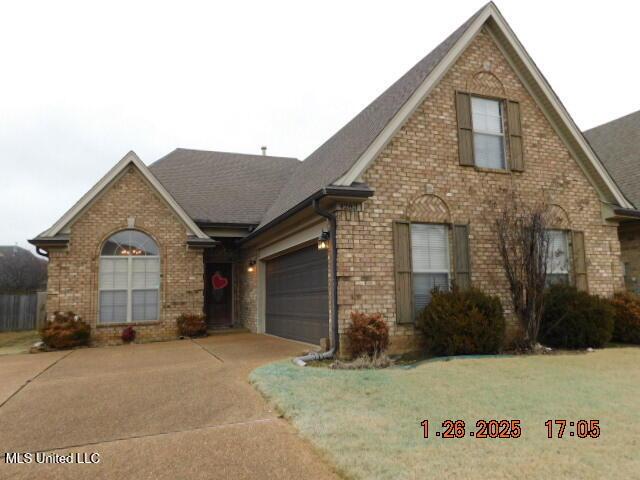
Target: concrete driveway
<point>181,409</point>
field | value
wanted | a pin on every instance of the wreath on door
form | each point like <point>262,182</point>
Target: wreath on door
<point>219,282</point>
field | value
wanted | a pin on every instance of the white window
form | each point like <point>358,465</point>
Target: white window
<point>129,278</point>
<point>488,133</point>
<point>430,261</point>
<point>557,257</point>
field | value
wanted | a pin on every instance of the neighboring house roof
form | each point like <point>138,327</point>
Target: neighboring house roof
<point>56,231</point>
<point>617,143</point>
<point>220,187</point>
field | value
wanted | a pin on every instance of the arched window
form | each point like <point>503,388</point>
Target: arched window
<point>129,278</point>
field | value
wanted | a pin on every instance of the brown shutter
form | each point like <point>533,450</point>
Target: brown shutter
<point>514,126</point>
<point>461,256</point>
<point>579,261</point>
<point>403,271</point>
<point>465,128</point>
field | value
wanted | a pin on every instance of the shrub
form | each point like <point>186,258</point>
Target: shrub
<point>463,322</point>
<point>368,334</point>
<point>128,334</point>
<point>575,319</point>
<point>626,317</point>
<point>66,330</point>
<point>192,325</point>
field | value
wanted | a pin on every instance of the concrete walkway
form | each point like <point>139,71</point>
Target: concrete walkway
<point>181,409</point>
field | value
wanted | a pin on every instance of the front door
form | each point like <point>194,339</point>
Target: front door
<point>218,295</point>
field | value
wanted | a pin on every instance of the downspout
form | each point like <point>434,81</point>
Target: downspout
<point>301,361</point>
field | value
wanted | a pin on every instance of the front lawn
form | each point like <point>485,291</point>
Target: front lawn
<point>368,422</point>
<point>17,342</point>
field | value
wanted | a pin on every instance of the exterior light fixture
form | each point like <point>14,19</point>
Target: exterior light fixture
<point>323,241</point>
<point>252,266</point>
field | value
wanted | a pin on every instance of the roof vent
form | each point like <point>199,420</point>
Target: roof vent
<point>264,149</point>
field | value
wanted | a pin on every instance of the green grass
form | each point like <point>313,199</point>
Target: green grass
<point>368,422</point>
<point>17,342</point>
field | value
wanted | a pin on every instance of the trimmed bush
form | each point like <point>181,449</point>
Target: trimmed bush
<point>626,306</point>
<point>66,330</point>
<point>192,325</point>
<point>574,319</point>
<point>368,334</point>
<point>463,322</point>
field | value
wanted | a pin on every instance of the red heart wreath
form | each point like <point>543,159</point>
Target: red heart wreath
<point>218,281</point>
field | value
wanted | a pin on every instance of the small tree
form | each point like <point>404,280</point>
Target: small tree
<point>21,271</point>
<point>523,245</point>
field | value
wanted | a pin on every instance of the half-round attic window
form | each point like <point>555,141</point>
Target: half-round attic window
<point>129,243</point>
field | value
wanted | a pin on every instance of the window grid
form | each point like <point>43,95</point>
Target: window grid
<point>558,262</point>
<point>488,133</point>
<point>431,261</point>
<point>149,284</point>
<point>129,279</point>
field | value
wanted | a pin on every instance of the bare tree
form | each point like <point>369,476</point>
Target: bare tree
<point>523,241</point>
<point>21,271</point>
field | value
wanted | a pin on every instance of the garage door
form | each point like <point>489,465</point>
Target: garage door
<point>297,304</point>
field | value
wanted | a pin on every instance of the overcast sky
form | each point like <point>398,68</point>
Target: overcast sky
<point>82,83</point>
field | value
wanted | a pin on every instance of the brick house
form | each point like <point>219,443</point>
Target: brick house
<point>400,198</point>
<point>617,144</point>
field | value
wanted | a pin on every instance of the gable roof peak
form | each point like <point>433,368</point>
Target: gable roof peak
<point>87,199</point>
<point>343,158</point>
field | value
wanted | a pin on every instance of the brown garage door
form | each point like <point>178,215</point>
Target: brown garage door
<point>297,295</point>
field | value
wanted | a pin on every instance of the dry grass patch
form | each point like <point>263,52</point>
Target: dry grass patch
<point>368,421</point>
<point>364,362</point>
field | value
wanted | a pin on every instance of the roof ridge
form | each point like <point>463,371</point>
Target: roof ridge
<point>232,153</point>
<point>218,152</point>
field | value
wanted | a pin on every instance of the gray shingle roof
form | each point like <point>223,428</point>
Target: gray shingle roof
<point>617,143</point>
<point>219,187</point>
<point>338,154</point>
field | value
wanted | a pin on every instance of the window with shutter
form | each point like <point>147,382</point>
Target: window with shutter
<point>482,135</point>
<point>430,261</point>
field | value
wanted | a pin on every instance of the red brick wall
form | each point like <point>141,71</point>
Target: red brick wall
<point>73,272</point>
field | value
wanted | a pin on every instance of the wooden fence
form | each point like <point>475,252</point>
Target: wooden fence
<point>22,311</point>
